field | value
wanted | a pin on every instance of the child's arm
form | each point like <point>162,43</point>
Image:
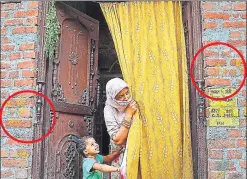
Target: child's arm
<point>105,168</point>
<point>112,156</point>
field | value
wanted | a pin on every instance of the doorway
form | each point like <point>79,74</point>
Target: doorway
<point>108,67</point>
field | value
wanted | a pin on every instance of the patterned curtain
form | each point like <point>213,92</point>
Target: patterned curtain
<point>150,44</point>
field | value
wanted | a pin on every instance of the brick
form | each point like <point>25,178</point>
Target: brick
<point>211,53</point>
<point>234,133</point>
<point>11,142</point>
<point>19,153</point>
<point>8,6</point>
<point>13,74</point>
<point>234,154</point>
<point>6,173</point>
<point>4,14</point>
<point>235,34</point>
<point>5,40</point>
<point>18,123</point>
<point>6,83</point>
<point>216,15</point>
<point>3,57</point>
<point>243,163</point>
<point>215,154</point>
<point>3,74</point>
<point>234,24</point>
<point>4,153</point>
<point>27,46</point>
<point>226,7</point>
<point>20,103</point>
<point>241,143</point>
<point>23,82</point>
<point>14,163</point>
<point>33,4</point>
<point>244,92</point>
<point>236,15</point>
<point>210,25</point>
<point>27,64</point>
<point>32,21</point>
<point>220,144</point>
<point>236,62</point>
<point>207,42</point>
<point>242,102</point>
<point>220,165</point>
<point>21,173</point>
<point>22,153</point>
<point>234,175</point>
<point>3,31</point>
<point>239,7</point>
<point>13,22</point>
<point>24,30</point>
<point>208,6</point>
<point>28,73</point>
<point>218,82</point>
<point>8,47</point>
<point>29,54</point>
<point>216,175</point>
<point>15,55</point>
<point>237,42</point>
<point>228,72</point>
<point>29,13</point>
<point>25,113</point>
<point>243,15</point>
<point>212,72</point>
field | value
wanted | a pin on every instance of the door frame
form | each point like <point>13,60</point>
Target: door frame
<point>193,30</point>
<point>197,107</point>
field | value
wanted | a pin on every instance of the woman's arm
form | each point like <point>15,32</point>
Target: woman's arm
<point>119,135</point>
<point>105,168</point>
<point>123,132</point>
<point>112,156</point>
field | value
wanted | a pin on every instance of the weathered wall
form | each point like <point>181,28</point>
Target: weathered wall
<point>19,44</point>
<point>222,21</point>
<point>226,22</point>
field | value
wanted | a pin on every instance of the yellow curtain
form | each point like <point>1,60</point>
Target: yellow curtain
<point>150,44</point>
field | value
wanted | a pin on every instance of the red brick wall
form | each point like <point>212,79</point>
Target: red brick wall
<point>225,21</point>
<point>19,38</point>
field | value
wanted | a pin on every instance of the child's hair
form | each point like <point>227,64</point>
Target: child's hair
<point>81,144</point>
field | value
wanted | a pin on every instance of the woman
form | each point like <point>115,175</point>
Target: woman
<point>118,112</point>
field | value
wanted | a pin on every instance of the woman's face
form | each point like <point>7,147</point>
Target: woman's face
<point>123,95</point>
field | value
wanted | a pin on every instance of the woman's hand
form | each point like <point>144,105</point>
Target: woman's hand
<point>131,109</point>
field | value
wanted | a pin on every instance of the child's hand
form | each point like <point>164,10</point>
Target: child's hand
<point>119,150</point>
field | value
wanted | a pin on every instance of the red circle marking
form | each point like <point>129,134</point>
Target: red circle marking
<point>28,141</point>
<point>192,69</point>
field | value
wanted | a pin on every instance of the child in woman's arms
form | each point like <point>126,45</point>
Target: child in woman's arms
<point>92,161</point>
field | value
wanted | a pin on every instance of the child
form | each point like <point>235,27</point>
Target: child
<point>92,162</point>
